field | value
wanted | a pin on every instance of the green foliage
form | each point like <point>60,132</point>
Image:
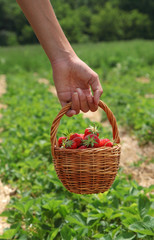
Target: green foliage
<point>120,66</point>
<point>111,23</point>
<point>27,35</point>
<point>135,24</point>
<point>83,21</point>
<point>8,38</point>
<point>107,24</point>
<point>42,209</point>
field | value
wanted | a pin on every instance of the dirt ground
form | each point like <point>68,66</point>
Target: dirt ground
<point>131,154</point>
<point>4,190</point>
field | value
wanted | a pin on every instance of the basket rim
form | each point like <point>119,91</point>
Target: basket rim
<point>109,149</point>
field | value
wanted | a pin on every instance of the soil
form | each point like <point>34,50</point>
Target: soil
<point>5,193</point>
<point>4,190</point>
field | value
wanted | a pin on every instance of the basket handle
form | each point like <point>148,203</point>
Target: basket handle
<point>64,110</point>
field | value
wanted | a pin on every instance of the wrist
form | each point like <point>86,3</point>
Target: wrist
<point>61,55</point>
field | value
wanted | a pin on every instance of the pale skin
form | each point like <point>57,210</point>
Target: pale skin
<point>74,80</point>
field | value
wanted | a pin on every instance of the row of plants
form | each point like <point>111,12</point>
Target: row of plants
<point>42,209</point>
<point>125,70</point>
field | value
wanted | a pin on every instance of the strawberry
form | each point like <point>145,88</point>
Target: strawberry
<point>105,142</point>
<point>73,135</point>
<point>61,140</point>
<point>81,135</point>
<point>82,147</point>
<point>91,140</point>
<point>109,144</point>
<point>91,130</point>
<point>78,141</point>
<point>70,144</point>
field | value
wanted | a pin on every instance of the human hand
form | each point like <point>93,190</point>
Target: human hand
<point>74,81</point>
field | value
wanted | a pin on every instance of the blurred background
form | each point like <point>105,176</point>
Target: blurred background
<point>83,21</point>
<point>115,38</point>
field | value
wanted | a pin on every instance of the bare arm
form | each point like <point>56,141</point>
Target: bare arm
<point>72,77</point>
<point>42,18</point>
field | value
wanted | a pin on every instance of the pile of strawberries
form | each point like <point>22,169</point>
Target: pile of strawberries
<point>90,139</point>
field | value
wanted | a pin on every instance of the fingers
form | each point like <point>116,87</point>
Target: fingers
<point>92,107</point>
<point>71,113</point>
<point>97,95</point>
<point>96,87</point>
<point>75,108</point>
<point>83,100</point>
<point>75,102</point>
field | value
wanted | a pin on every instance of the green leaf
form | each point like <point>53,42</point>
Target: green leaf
<point>116,215</point>
<point>19,206</point>
<point>106,237</point>
<point>54,234</point>
<point>108,212</point>
<point>143,228</point>
<point>82,231</point>
<point>52,205</point>
<point>126,236</point>
<point>150,189</point>
<point>8,234</point>
<point>143,205</point>
<point>98,235</point>
<point>28,205</point>
<point>63,210</point>
<point>128,221</point>
<point>74,220</point>
<point>66,233</point>
<point>94,217</point>
<point>115,183</point>
<point>24,237</point>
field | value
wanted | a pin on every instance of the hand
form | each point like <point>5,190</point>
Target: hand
<point>73,81</point>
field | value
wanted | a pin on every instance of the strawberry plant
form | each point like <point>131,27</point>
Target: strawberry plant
<point>42,209</point>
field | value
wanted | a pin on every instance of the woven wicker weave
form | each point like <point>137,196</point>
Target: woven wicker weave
<point>86,171</point>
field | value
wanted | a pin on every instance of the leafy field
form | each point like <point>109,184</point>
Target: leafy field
<point>42,209</point>
<point>125,69</point>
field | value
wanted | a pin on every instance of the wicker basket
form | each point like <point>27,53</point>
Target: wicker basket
<point>86,171</point>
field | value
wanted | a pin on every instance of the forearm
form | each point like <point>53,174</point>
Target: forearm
<point>41,16</point>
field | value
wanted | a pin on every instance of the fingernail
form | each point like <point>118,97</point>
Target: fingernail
<point>79,91</point>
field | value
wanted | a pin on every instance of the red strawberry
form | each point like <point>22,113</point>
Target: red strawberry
<point>105,142</point>
<point>78,141</point>
<point>81,135</point>
<point>82,147</point>
<point>61,140</point>
<point>91,140</point>
<point>109,144</point>
<point>70,144</point>
<point>91,130</point>
<point>74,135</point>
